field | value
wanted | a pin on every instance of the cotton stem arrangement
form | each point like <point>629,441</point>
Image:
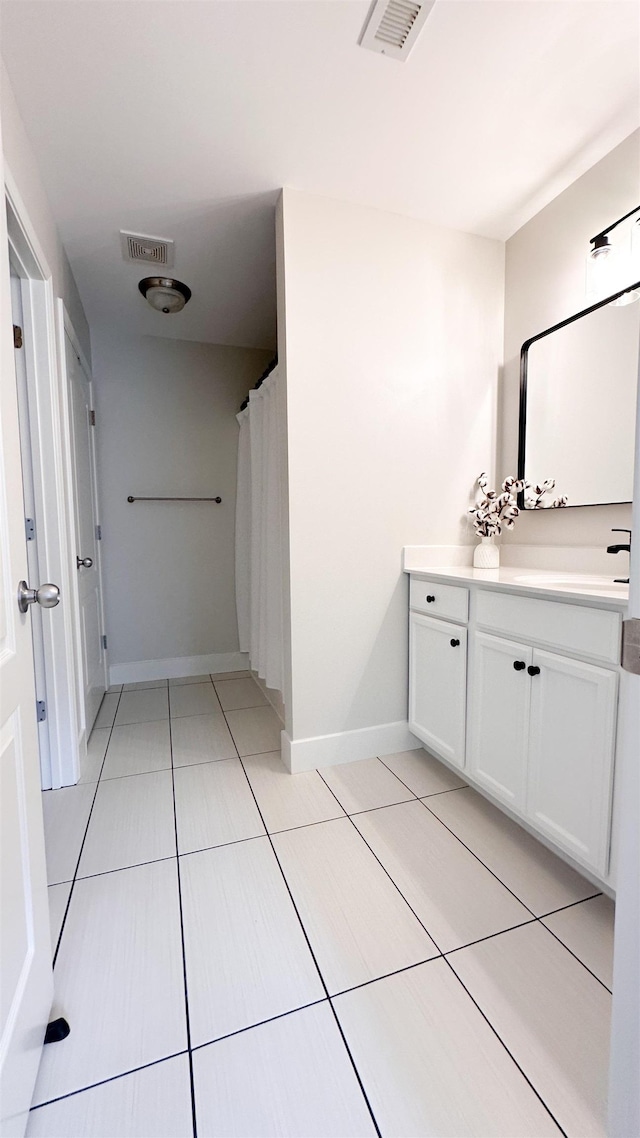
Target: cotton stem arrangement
<point>496,511</point>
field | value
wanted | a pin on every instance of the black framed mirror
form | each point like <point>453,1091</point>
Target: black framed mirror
<point>578,391</point>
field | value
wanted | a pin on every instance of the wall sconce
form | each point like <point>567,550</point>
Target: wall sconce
<point>610,267</point>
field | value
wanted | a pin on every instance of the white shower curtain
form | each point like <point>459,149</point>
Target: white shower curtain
<point>260,531</point>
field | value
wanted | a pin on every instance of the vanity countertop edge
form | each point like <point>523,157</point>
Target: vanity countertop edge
<point>506,579</point>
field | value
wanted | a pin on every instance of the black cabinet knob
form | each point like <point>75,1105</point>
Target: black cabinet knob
<point>533,670</point>
<point>430,599</point>
<point>519,665</point>
<point>454,643</point>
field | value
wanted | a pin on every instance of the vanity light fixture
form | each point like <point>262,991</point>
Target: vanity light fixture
<point>165,294</point>
<point>607,264</point>
<point>601,245</point>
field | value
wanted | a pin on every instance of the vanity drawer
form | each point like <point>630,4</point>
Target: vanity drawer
<point>584,631</point>
<point>450,601</point>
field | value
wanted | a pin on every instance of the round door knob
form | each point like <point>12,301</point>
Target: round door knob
<point>47,596</point>
<point>430,599</point>
<point>84,562</point>
<point>454,643</point>
<point>533,670</point>
<point>519,665</point>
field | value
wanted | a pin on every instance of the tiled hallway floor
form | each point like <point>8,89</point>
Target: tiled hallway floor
<point>373,949</point>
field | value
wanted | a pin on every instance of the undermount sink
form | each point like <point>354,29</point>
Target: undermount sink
<point>573,580</point>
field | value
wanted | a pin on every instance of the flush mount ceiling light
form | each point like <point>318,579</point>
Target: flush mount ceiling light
<point>165,294</point>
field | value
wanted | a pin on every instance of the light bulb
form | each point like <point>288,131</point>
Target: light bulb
<point>602,269</point>
<point>627,297</point>
<point>165,299</point>
<point>601,248</point>
<point>165,294</point>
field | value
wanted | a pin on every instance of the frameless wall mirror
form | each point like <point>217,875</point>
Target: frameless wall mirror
<point>578,390</point>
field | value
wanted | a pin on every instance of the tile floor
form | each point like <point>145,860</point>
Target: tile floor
<point>373,949</point>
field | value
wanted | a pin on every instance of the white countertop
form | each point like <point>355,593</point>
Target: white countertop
<point>548,582</point>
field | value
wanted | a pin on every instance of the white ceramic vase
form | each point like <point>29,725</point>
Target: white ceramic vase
<point>486,555</point>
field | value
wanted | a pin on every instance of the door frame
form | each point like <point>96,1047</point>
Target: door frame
<point>624,1070</point>
<point>65,328</point>
<point>50,445</point>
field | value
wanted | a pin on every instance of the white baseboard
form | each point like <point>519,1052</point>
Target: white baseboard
<point>177,667</point>
<point>346,746</point>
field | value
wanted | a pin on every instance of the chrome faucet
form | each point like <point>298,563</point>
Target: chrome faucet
<point>619,549</point>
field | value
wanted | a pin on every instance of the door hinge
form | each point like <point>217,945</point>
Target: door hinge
<point>30,529</point>
<point>41,710</point>
<point>98,533</point>
<point>92,417</point>
<point>630,658</point>
<point>104,642</point>
<point>17,336</point>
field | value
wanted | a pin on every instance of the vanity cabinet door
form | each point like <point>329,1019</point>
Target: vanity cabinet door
<point>498,724</point>
<point>571,754</point>
<point>437,685</point>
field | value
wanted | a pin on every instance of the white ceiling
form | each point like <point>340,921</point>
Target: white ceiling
<point>182,118</point>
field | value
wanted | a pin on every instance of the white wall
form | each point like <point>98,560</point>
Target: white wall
<point>23,168</point>
<point>393,346</point>
<point>166,426</point>
<point>544,283</point>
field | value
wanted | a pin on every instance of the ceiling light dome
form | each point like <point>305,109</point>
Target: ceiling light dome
<point>165,294</point>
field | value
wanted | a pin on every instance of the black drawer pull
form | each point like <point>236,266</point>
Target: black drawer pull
<point>519,665</point>
<point>454,643</point>
<point>533,670</point>
<point>430,599</point>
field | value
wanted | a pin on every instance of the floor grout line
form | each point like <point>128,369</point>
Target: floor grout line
<point>313,955</point>
<point>124,868</point>
<point>519,899</point>
<point>501,1040</point>
<point>491,936</point>
<point>110,1079</point>
<point>260,1023</point>
<point>477,857</point>
<point>571,905</point>
<point>386,871</point>
<point>86,830</point>
<point>380,759</point>
<point>540,920</point>
<point>184,954</point>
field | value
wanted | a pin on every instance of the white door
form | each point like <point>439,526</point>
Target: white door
<point>25,949</point>
<point>437,685</point>
<point>87,552</point>
<point>571,749</point>
<point>498,728</point>
<point>31,530</point>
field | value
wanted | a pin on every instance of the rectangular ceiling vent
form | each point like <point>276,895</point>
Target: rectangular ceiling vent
<point>152,250</point>
<point>394,26</point>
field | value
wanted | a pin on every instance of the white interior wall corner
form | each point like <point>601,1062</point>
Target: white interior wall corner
<point>393,344</point>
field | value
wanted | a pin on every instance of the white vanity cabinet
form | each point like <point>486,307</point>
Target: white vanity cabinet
<point>536,702</point>
<point>437,686</point>
<point>499,702</point>
<point>571,755</point>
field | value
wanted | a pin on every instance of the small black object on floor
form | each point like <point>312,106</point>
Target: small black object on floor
<point>56,1030</point>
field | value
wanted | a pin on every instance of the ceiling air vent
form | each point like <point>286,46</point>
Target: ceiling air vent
<point>394,26</point>
<point>151,250</point>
